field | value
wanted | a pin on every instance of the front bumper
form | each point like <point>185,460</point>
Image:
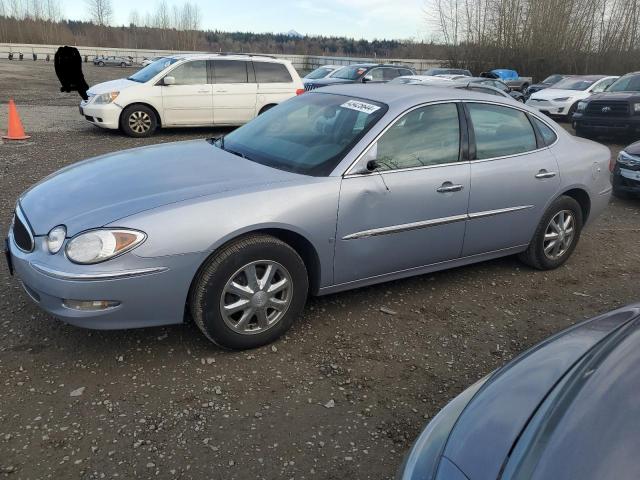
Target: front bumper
<point>150,291</point>
<point>625,180</point>
<point>102,115</point>
<point>606,124</point>
<point>550,107</point>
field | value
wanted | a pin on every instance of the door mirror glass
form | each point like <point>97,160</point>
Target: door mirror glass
<point>367,78</point>
<point>169,81</point>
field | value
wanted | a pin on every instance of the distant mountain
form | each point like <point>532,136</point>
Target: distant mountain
<point>293,33</point>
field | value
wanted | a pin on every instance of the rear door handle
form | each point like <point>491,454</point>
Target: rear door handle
<point>204,91</point>
<point>544,174</point>
<point>449,187</point>
<point>221,91</point>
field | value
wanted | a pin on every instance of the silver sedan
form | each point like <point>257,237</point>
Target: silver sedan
<point>333,190</point>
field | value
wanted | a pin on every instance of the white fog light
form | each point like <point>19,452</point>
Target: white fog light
<point>55,239</point>
<point>89,305</point>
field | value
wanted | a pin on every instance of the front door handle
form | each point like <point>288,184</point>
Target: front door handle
<point>222,91</point>
<point>449,187</point>
<point>204,91</point>
<point>544,174</point>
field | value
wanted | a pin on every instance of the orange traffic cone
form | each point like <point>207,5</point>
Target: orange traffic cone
<point>15,130</point>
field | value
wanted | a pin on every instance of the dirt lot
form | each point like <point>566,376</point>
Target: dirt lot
<point>341,396</point>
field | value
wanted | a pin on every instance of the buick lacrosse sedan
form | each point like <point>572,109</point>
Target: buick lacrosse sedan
<point>345,187</point>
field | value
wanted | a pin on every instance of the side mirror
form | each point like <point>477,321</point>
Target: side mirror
<point>367,78</point>
<point>372,165</point>
<point>369,163</point>
<point>169,80</point>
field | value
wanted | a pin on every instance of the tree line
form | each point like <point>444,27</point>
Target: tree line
<point>540,37</point>
<point>178,27</point>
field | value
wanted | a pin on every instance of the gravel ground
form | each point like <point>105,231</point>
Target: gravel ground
<point>341,396</point>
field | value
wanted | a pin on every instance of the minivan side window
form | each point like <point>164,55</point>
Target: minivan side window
<point>426,136</point>
<point>270,72</point>
<point>230,71</point>
<point>500,131</point>
<point>190,73</point>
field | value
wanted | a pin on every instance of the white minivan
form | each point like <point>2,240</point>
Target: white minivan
<point>192,90</point>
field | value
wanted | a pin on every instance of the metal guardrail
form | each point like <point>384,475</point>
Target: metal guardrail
<point>300,62</point>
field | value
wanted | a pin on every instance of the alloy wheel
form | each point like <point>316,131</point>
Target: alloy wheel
<point>559,234</point>
<point>256,297</point>
<point>140,122</point>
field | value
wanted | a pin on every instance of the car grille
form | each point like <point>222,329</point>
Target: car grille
<point>22,233</point>
<point>607,108</point>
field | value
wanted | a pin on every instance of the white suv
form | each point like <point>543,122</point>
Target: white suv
<point>192,90</point>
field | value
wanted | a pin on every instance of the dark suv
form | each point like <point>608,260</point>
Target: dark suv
<point>360,73</point>
<point>616,110</point>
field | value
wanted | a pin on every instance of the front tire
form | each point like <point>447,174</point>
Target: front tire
<point>556,236</point>
<point>138,121</point>
<point>101,64</point>
<point>249,293</point>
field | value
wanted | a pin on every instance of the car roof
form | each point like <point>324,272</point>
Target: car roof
<point>406,95</point>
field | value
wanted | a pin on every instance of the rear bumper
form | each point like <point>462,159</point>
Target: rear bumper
<point>605,124</point>
<point>105,116</point>
<point>624,184</point>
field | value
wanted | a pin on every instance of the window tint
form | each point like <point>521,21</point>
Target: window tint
<point>230,71</point>
<point>628,83</point>
<point>191,73</point>
<point>269,72</point>
<point>425,136</point>
<point>390,73</point>
<point>500,131</point>
<point>377,74</point>
<point>602,86</point>
<point>548,135</point>
<point>405,71</point>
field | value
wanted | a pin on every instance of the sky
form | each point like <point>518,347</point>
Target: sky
<point>369,19</point>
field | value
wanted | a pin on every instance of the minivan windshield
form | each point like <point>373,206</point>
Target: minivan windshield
<point>574,84</point>
<point>309,134</point>
<point>628,83</point>
<point>151,70</point>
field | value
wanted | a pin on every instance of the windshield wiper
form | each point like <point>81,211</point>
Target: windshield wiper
<point>219,142</point>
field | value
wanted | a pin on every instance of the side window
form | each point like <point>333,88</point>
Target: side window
<point>426,136</point>
<point>377,74</point>
<point>548,135</point>
<point>191,73</point>
<point>230,71</point>
<point>500,131</point>
<point>603,85</point>
<point>405,71</point>
<point>390,73</point>
<point>270,72</point>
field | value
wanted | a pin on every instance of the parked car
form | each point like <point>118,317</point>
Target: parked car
<point>149,61</point>
<point>332,190</point>
<point>495,83</point>
<point>422,79</point>
<point>615,110</point>
<point>447,71</point>
<point>510,77</point>
<point>360,73</point>
<point>449,76</point>
<point>550,81</point>
<point>626,171</point>
<point>563,410</point>
<point>321,72</point>
<point>113,61</point>
<point>562,99</point>
<point>192,90</point>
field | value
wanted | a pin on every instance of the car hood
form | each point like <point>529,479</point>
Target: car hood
<point>111,86</point>
<point>633,149</point>
<point>99,191</point>
<point>551,93</point>
<point>623,96</point>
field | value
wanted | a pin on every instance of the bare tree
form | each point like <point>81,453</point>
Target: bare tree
<point>100,11</point>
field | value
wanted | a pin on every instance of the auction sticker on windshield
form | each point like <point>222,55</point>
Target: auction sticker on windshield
<point>360,106</point>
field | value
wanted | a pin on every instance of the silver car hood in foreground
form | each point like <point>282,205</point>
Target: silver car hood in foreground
<point>104,189</point>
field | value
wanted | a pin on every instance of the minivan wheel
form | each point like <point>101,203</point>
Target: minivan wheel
<point>138,121</point>
<point>249,293</point>
<point>557,235</point>
<point>101,64</point>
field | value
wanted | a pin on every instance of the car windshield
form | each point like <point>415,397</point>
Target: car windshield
<point>574,84</point>
<point>628,83</point>
<point>151,70</point>
<point>349,73</point>
<point>552,79</point>
<point>319,73</point>
<point>309,134</point>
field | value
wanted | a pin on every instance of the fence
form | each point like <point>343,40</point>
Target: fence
<point>302,63</point>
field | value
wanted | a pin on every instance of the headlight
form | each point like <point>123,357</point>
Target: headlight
<point>581,106</point>
<point>627,159</point>
<point>106,97</point>
<point>562,99</point>
<point>55,239</point>
<point>96,246</point>
<point>636,107</point>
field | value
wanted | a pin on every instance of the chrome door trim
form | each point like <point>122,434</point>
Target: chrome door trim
<point>406,227</point>
<point>50,272</point>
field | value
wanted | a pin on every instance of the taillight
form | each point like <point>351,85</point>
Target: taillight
<point>300,91</point>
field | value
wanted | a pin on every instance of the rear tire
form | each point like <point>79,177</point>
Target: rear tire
<point>138,121</point>
<point>123,64</point>
<point>249,293</point>
<point>101,64</point>
<point>543,253</point>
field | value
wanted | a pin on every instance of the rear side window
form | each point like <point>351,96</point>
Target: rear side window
<point>405,71</point>
<point>548,135</point>
<point>269,72</point>
<point>500,131</point>
<point>390,73</point>
<point>230,71</point>
<point>191,73</point>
